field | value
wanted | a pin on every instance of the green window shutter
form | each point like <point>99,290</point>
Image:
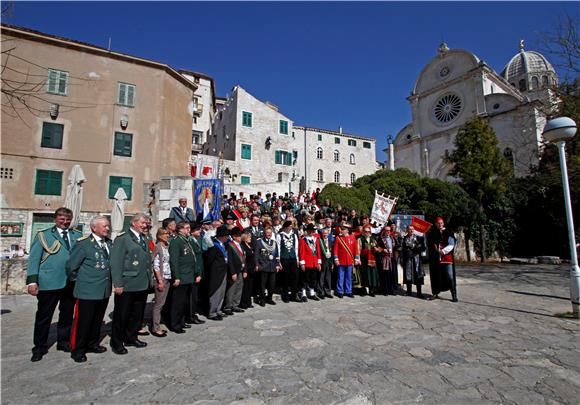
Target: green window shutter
<point>62,83</point>
<point>124,182</point>
<point>246,119</point>
<point>122,93</point>
<point>51,135</point>
<point>52,78</point>
<point>336,140</point>
<point>366,145</point>
<point>246,151</point>
<point>48,182</point>
<point>319,137</point>
<point>245,179</point>
<point>278,157</point>
<point>123,144</point>
<point>130,95</point>
<point>284,127</point>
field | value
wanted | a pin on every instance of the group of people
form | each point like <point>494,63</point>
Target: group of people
<point>261,246</point>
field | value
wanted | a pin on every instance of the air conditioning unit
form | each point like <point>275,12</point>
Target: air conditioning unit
<point>198,109</point>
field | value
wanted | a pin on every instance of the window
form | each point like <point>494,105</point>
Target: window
<point>366,145</point>
<point>535,83</point>
<point>246,151</point>
<point>319,153</point>
<point>51,135</point>
<point>196,137</point>
<point>123,144</point>
<point>283,158</point>
<point>246,119</point>
<point>522,85</point>
<point>447,108</point>
<point>352,178</point>
<point>336,177</point>
<point>545,81</point>
<point>245,179</point>
<point>294,157</point>
<point>336,156</point>
<point>320,175</point>
<point>48,182</point>
<point>352,161</point>
<point>284,127</point>
<point>280,177</point>
<point>319,137</point>
<point>337,140</point>
<point>126,94</point>
<point>126,183</point>
<point>57,82</point>
<point>351,142</point>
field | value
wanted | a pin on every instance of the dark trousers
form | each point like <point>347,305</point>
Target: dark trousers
<point>191,305</point>
<point>47,302</point>
<point>325,279</point>
<point>86,331</point>
<point>247,291</point>
<point>127,317</point>
<point>181,293</point>
<point>312,276</point>
<point>268,282</point>
<point>289,276</point>
<point>395,270</point>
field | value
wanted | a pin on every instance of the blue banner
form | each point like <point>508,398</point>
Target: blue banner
<point>207,197</point>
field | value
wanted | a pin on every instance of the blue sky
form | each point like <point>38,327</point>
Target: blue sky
<point>324,64</point>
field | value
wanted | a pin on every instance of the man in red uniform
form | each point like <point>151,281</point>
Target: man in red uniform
<point>310,261</point>
<point>346,255</point>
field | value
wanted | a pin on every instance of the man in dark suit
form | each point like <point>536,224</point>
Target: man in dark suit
<point>90,266</point>
<point>131,276</point>
<point>217,264</point>
<point>47,280</point>
<point>236,273</point>
<point>182,212</point>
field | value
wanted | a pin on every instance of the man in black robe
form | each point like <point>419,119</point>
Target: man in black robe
<point>441,243</point>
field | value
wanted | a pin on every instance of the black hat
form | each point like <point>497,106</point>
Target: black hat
<point>346,225</point>
<point>231,216</point>
<point>235,231</point>
<point>206,222</point>
<point>286,224</point>
<point>310,227</point>
<point>222,231</point>
<point>195,226</point>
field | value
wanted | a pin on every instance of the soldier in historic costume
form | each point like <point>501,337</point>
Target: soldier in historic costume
<point>47,280</point>
<point>346,255</point>
<point>310,262</point>
<point>367,246</point>
<point>413,273</point>
<point>217,266</point>
<point>288,243</point>
<point>131,275</point>
<point>441,243</point>
<point>89,265</point>
<point>327,265</point>
<point>236,273</point>
<point>182,262</point>
<point>268,264</point>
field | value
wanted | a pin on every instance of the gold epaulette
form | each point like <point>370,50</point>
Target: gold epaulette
<point>83,238</point>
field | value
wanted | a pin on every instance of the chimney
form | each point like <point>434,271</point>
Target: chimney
<point>340,129</point>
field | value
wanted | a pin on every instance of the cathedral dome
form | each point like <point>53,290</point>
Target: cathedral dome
<point>526,63</point>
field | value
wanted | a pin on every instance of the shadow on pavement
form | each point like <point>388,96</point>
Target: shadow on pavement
<point>539,295</point>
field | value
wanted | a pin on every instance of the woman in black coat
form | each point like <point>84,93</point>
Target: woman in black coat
<point>246,301</point>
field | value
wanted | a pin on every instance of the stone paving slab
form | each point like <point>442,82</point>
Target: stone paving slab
<point>499,344</point>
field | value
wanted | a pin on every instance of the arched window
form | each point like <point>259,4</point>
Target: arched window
<point>535,83</point>
<point>545,81</point>
<point>320,175</point>
<point>352,178</point>
<point>352,162</point>
<point>336,156</point>
<point>336,177</point>
<point>319,153</point>
<point>522,85</point>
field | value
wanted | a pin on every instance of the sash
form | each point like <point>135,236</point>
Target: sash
<point>345,246</point>
<point>239,253</point>
<point>324,249</point>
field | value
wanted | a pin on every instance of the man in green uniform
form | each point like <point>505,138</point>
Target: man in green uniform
<point>89,264</point>
<point>195,239</point>
<point>131,276</point>
<point>47,280</point>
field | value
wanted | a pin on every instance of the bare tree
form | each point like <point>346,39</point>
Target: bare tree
<point>563,44</point>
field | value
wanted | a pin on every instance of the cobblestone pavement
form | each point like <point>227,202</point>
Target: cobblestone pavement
<point>499,344</point>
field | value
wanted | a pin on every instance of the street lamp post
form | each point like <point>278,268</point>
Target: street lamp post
<point>558,130</point>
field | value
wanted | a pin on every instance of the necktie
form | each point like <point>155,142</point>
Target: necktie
<point>142,242</point>
<point>65,238</point>
<point>104,247</point>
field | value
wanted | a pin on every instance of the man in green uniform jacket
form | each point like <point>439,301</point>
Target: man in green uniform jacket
<point>47,280</point>
<point>89,264</point>
<point>196,244</point>
<point>131,276</point>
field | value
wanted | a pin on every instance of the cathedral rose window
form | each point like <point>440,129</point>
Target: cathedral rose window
<point>447,108</point>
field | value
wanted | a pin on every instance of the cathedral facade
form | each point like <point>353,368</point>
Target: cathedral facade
<point>456,86</point>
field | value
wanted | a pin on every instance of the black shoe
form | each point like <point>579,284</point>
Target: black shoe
<point>197,321</point>
<point>350,295</point>
<point>304,299</point>
<point>186,326</point>
<point>454,299</point>
<point>285,299</point>
<point>270,301</point>
<point>228,312</point>
<point>79,358</point>
<point>327,295</point>
<point>339,295</point>
<point>420,296</point>
<point>63,347</point>
<point>37,356</point>
<point>261,303</point>
<point>371,294</point>
<point>248,306</point>
<point>119,350</point>
<point>137,343</point>
<point>314,298</point>
<point>321,296</point>
<point>143,333</point>
<point>215,318</point>
<point>97,349</point>
<point>239,310</point>
<point>177,330</point>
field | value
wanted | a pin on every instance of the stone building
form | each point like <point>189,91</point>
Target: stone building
<point>263,150</point>
<point>456,86</point>
<point>117,116</point>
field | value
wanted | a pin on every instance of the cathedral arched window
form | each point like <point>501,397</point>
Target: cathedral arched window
<point>336,156</point>
<point>352,161</point>
<point>352,178</point>
<point>320,175</point>
<point>522,85</point>
<point>535,83</point>
<point>319,153</point>
<point>545,82</point>
<point>336,177</point>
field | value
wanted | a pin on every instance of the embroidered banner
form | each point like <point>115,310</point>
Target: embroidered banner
<point>382,208</point>
<point>207,197</point>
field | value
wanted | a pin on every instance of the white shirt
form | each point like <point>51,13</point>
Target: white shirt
<point>101,242</point>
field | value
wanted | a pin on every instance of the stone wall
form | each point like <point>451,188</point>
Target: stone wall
<point>13,276</point>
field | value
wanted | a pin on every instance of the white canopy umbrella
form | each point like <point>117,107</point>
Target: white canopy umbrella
<point>74,193</point>
<point>118,213</point>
